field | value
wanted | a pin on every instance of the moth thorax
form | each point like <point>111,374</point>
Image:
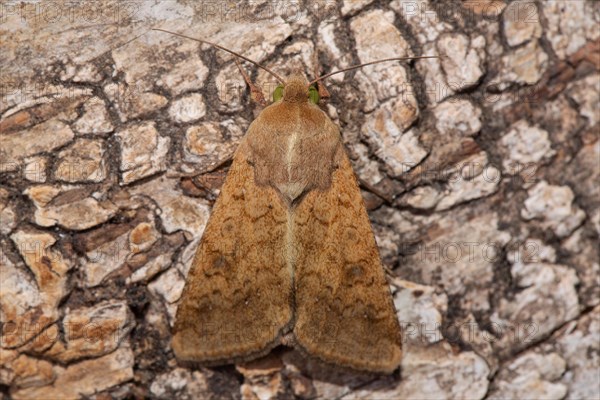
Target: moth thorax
<point>295,90</point>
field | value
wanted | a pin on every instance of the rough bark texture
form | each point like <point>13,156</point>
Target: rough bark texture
<point>113,148</point>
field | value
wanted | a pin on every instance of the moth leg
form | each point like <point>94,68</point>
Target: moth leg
<point>255,92</point>
<point>367,186</point>
<point>323,92</point>
<point>192,174</point>
<point>388,272</point>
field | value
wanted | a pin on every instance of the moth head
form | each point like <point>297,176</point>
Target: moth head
<point>296,89</point>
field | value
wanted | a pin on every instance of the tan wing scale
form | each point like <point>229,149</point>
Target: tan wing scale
<point>344,312</point>
<point>237,300</point>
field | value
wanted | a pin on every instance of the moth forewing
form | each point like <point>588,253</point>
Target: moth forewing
<point>344,309</point>
<point>237,299</point>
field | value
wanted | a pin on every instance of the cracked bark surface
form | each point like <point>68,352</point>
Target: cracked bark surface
<point>113,147</point>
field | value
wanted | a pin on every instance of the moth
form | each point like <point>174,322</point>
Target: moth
<point>288,254</point>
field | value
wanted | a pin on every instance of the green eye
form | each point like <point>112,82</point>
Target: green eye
<point>278,93</point>
<point>313,95</point>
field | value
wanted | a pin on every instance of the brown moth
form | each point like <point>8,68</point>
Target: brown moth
<point>288,254</point>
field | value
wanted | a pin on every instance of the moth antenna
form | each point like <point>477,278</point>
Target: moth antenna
<point>119,46</point>
<point>320,78</point>
<point>280,79</point>
<point>131,40</point>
